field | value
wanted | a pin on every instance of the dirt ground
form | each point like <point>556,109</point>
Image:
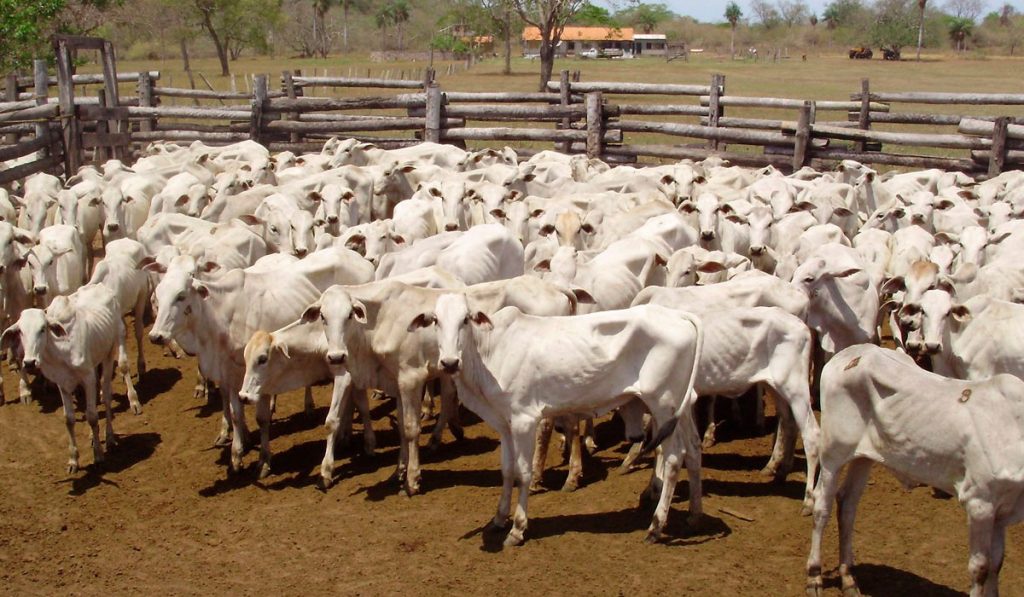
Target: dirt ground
<point>162,516</point>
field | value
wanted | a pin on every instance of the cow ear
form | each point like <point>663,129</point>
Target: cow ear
<point>356,242</point>
<point>846,273</point>
<point>587,228</point>
<point>667,179</point>
<point>209,266</point>
<point>314,196</point>
<point>892,285</point>
<point>348,196</point>
<point>202,289</point>
<point>10,338</point>
<point>422,320</point>
<point>711,267</point>
<point>358,312</point>
<point>250,220</point>
<point>945,283</point>
<point>960,313</point>
<point>498,213</point>
<point>311,314</point>
<point>513,196</point>
<point>57,329</point>
<point>94,201</point>
<point>947,237</point>
<point>736,218</point>
<point>398,239</point>
<point>660,259</point>
<point>24,236</point>
<point>284,350</point>
<point>899,213</point>
<point>687,207</point>
<point>481,319</point>
<point>943,204</point>
<point>149,264</point>
<point>543,266</point>
<point>583,297</point>
<point>537,213</point>
<point>183,200</point>
<point>842,212</point>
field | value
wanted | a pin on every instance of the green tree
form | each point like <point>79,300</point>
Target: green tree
<point>894,24</point>
<point>647,17</point>
<point>733,14</point>
<point>550,18</point>
<point>23,28</point>
<point>593,16</point>
<point>400,12</point>
<point>347,6</point>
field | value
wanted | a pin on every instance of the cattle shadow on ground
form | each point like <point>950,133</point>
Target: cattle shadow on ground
<point>727,461</point>
<point>595,470</point>
<point>791,489</point>
<point>879,579</point>
<point>432,480</point>
<point>449,450</point>
<point>677,533</point>
<point>129,451</point>
<point>156,382</point>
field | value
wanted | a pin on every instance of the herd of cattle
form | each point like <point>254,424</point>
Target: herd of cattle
<point>547,292</point>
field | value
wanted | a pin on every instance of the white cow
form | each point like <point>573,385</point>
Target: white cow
<point>66,343</point>
<point>58,263</point>
<point>586,364</point>
<point>481,254</point>
<point>970,444</point>
<point>120,270</point>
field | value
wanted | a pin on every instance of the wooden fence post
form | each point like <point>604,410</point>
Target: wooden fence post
<point>41,79</point>
<point>100,152</point>
<point>11,92</point>
<point>714,105</point>
<point>259,98</point>
<point>595,125</point>
<point>864,121</point>
<point>289,88</point>
<point>146,100</point>
<point>997,161</point>
<point>802,141</point>
<point>113,98</point>
<point>434,110</point>
<point>565,98</point>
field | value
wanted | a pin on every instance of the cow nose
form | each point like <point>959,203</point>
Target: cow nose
<point>40,290</point>
<point>336,357</point>
<point>450,365</point>
<point>451,227</point>
<point>245,396</point>
<point>113,227</point>
<point>332,219</point>
<point>917,219</point>
<point>30,364</point>
<point>707,235</point>
<point>158,338</point>
<point>301,251</point>
<point>932,347</point>
<point>756,250</point>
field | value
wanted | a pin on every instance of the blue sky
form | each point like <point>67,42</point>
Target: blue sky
<point>712,10</point>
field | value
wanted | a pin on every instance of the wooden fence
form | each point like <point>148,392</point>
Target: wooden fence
<point>661,121</point>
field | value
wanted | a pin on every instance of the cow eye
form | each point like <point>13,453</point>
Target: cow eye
<point>274,229</point>
<point>465,321</point>
<point>262,359</point>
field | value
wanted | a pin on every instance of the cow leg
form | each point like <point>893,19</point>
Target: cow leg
<point>224,438</point>
<point>411,397</point>
<point>781,460</point>
<point>846,500</point>
<point>998,551</point>
<point>362,401</point>
<point>709,432</point>
<point>507,479</point>
<point>122,364</point>
<point>333,424</point>
<point>524,439</point>
<point>572,481</point>
<point>345,413</point>
<point>24,390</point>
<point>67,398</point>
<point>200,391</point>
<point>759,410</point>
<point>89,384</point>
<point>263,417</point>
<point>810,433</point>
<point>540,454</point>
<point>106,378</point>
<point>635,422</point>
<point>671,451</point>
<point>980,526</point>
<point>449,416</point>
<point>239,430</point>
<point>588,434</point>
<point>692,459</point>
<point>308,405</point>
<point>138,322</point>
<point>824,494</point>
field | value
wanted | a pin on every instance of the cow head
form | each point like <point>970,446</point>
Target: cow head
<point>940,316</point>
<point>175,298</point>
<point>338,311</point>
<point>453,317</point>
<point>33,331</point>
<point>263,360</point>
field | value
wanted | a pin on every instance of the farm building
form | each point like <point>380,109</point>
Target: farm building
<point>651,44</point>
<point>578,39</point>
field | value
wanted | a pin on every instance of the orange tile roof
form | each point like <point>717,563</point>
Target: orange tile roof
<point>584,34</point>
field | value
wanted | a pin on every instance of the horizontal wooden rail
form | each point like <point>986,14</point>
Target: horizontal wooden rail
<point>634,88</point>
<point>930,97</point>
<point>301,81</point>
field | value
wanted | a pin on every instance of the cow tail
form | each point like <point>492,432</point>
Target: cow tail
<point>669,426</point>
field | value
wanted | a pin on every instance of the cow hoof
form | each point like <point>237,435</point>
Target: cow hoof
<point>222,440</point>
<point>433,445</point>
<point>652,537</point>
<point>807,508</point>
<point>851,591</point>
<point>535,487</point>
<point>72,467</point>
<point>111,441</point>
<point>709,442</point>
<point>694,520</point>
<point>264,471</point>
<point>513,539</point>
<point>815,591</point>
<point>769,471</point>
<point>412,489</point>
<point>570,486</point>
<point>590,445</point>
<point>136,409</point>
<point>494,526</point>
<point>326,480</point>
<point>26,398</point>
<point>459,433</point>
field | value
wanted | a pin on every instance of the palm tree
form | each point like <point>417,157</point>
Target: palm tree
<point>320,38</point>
<point>960,28</point>
<point>920,28</point>
<point>733,15</point>
<point>400,10</point>
<point>383,19</point>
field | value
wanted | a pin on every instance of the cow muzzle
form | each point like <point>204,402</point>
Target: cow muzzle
<point>932,347</point>
<point>336,357</point>
<point>707,235</point>
<point>757,250</point>
<point>39,290</point>
<point>30,365</point>
<point>113,227</point>
<point>451,227</point>
<point>301,252</point>
<point>332,219</point>
<point>248,397</point>
<point>159,338</point>
<point>450,366</point>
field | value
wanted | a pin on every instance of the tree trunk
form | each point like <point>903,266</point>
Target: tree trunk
<point>732,43</point>
<point>920,35</point>
<point>401,42</point>
<point>547,60</point>
<point>344,24</point>
<point>222,53</point>
<point>508,42</point>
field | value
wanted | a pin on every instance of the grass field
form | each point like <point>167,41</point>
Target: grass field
<point>819,77</point>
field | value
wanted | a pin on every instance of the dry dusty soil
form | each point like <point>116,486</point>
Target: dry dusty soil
<point>162,516</point>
